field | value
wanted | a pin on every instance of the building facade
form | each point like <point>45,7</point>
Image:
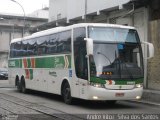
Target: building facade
<point>12,26</point>
<point>153,70</point>
<point>41,13</point>
<point>137,13</point>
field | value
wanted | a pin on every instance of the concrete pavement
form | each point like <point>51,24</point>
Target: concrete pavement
<point>5,84</point>
<point>151,96</point>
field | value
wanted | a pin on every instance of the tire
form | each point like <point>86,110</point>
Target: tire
<point>23,86</point>
<point>66,93</point>
<point>23,90</point>
<point>18,84</point>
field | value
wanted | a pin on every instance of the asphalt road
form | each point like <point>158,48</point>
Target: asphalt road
<point>34,102</point>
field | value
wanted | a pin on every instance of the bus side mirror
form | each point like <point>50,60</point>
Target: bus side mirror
<point>89,45</point>
<point>150,49</point>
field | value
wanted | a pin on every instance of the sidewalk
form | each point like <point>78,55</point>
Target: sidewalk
<point>151,97</point>
<point>5,84</point>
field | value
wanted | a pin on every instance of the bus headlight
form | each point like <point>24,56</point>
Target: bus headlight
<point>138,97</point>
<point>98,85</point>
<point>139,85</point>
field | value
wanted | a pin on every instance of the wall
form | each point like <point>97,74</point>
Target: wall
<point>4,41</point>
<point>71,9</point>
<point>40,14</point>
<point>3,60</point>
<point>76,8</point>
<point>95,5</point>
<point>154,63</point>
<point>57,9</point>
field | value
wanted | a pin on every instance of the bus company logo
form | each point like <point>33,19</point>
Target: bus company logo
<point>12,63</point>
<point>110,82</point>
<point>61,62</point>
<point>58,63</point>
<point>52,73</point>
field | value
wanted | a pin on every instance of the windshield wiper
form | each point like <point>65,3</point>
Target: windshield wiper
<point>105,57</point>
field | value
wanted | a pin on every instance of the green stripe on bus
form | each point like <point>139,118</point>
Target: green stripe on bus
<point>118,82</point>
<point>44,62</point>
<point>29,63</point>
<point>127,82</point>
<point>98,80</point>
<point>31,74</point>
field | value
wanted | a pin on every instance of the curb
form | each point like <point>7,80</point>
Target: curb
<point>7,87</point>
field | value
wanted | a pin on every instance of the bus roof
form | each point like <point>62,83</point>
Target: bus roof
<point>16,40</point>
<point>102,25</point>
<point>59,29</point>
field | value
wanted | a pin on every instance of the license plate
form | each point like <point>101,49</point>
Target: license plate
<point>119,94</point>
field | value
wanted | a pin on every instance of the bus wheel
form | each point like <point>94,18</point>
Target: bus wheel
<point>23,86</point>
<point>17,83</point>
<point>66,93</point>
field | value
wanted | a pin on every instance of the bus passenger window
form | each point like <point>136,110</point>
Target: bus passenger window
<point>42,45</point>
<point>52,44</point>
<point>32,47</point>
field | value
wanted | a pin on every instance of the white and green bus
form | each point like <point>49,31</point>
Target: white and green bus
<point>90,61</point>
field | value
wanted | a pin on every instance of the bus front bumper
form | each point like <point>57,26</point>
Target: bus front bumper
<point>108,94</point>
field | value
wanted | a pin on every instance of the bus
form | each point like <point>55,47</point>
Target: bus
<point>90,61</point>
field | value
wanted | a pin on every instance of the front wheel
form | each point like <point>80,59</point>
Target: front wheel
<point>66,94</point>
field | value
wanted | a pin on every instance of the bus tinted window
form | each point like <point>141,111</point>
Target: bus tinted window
<point>42,45</point>
<point>51,44</point>
<point>64,42</point>
<point>32,47</point>
<point>24,48</point>
<point>17,49</point>
<point>59,43</point>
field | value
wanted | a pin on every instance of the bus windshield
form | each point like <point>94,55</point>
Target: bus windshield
<point>105,34</point>
<point>117,54</point>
